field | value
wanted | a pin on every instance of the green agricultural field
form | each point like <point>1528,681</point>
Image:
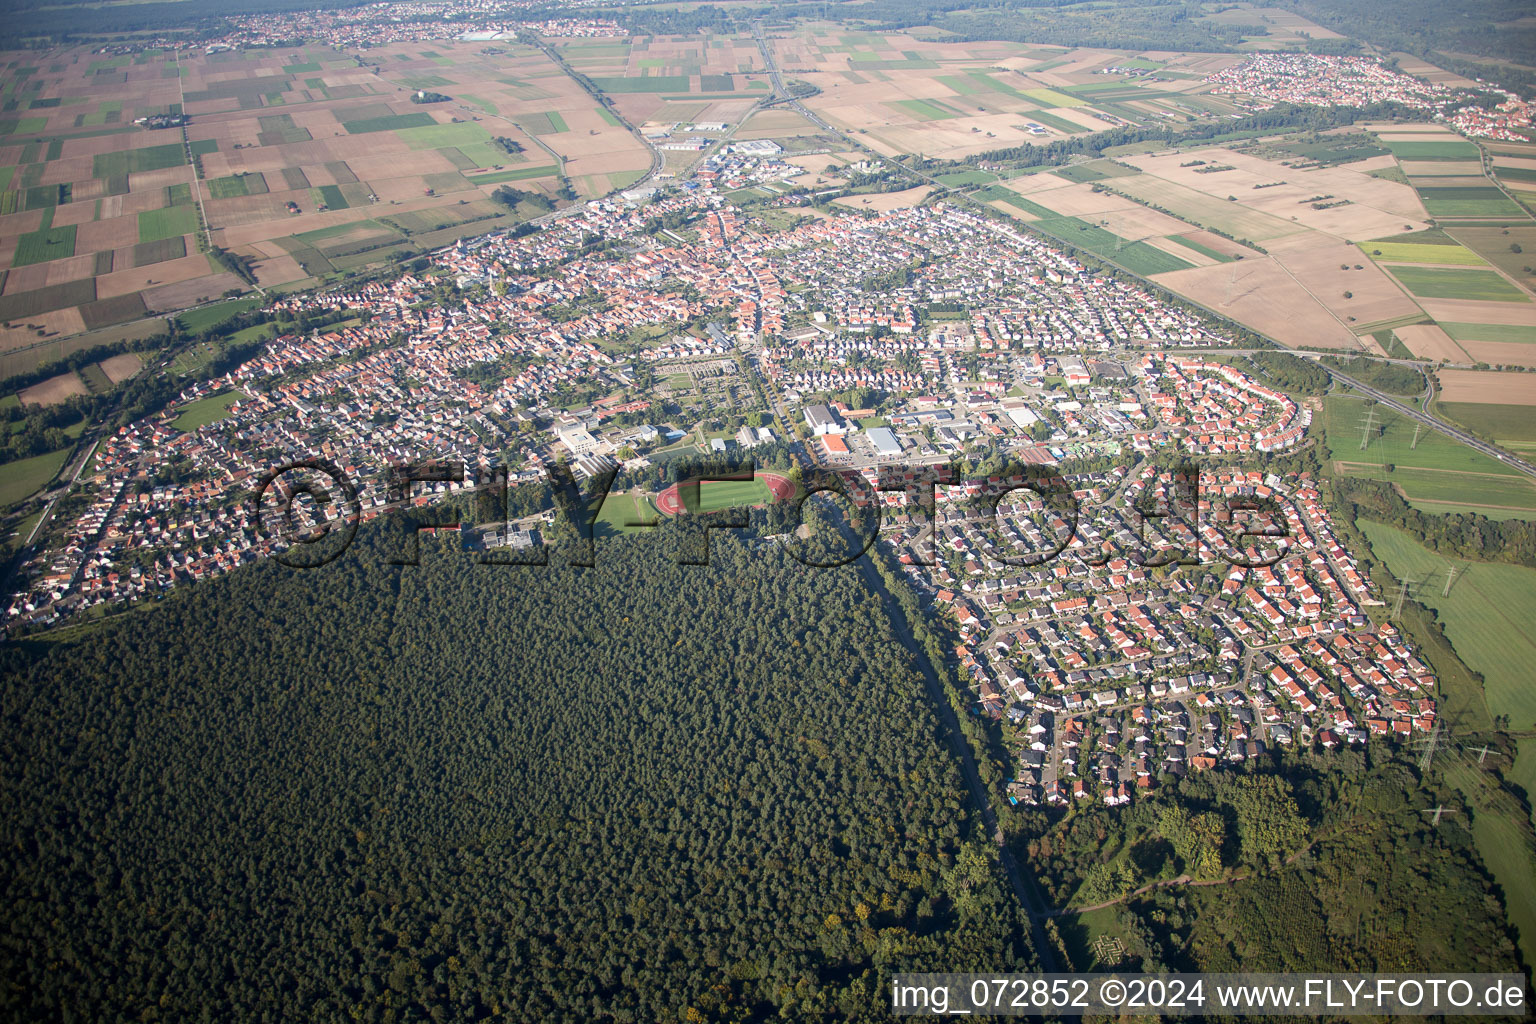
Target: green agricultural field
<point>351,227</point>
<point>167,223</point>
<point>1489,332</point>
<point>24,477</point>
<point>521,174</point>
<point>925,110</point>
<point>1340,150</point>
<point>1438,471</point>
<point>1472,491</point>
<point>1204,250</point>
<point>389,123</point>
<point>1410,252</point>
<point>1451,149</point>
<point>137,161</point>
<point>1055,121</point>
<point>1450,193</point>
<point>206,410</point>
<point>1485,616</point>
<point>1434,283</point>
<point>1515,423</point>
<point>22,126</point>
<point>541,123</point>
<point>235,185</point>
<point>656,83</point>
<point>1052,98</point>
<point>196,321</point>
<point>45,245</point>
<point>998,194</point>
<point>960,85</point>
<point>1080,173</point>
<point>1481,209</point>
<point>1146,260</point>
<point>331,197</point>
<point>442,136</point>
<point>958,179</point>
<point>1137,257</point>
<point>1390,440</point>
<point>96,381</point>
<point>480,154</point>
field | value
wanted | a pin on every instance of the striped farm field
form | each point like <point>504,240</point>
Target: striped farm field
<point>441,136</point>
<point>389,123</point>
<point>1490,332</point>
<point>1451,149</point>
<point>520,174</point>
<point>925,110</point>
<point>1510,425</point>
<point>1433,283</point>
<point>45,245</point>
<point>1418,252</point>
<point>155,225</point>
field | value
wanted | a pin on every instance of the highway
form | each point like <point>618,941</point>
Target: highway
<point>658,159</point>
<point>1519,465</point>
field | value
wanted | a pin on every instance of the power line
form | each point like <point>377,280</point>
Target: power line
<point>1429,747</point>
<point>1438,810</point>
<point>1370,421</point>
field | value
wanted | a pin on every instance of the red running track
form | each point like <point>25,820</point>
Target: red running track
<point>780,486</point>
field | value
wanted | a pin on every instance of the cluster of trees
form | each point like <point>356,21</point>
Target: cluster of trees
<point>1204,827</point>
<point>666,21</point>
<point>423,96</point>
<point>449,791</point>
<point>1389,377</point>
<point>38,21</point>
<point>1383,893</point>
<point>1455,535</point>
<point>239,265</point>
<point>1121,25</point>
<point>1488,28</point>
<point>1291,373</point>
<point>1282,115</point>
<point>509,197</point>
<point>27,432</point>
<point>1325,865</point>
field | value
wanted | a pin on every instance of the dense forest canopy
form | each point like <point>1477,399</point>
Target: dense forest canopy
<point>453,790</point>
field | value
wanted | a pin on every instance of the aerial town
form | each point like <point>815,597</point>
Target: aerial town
<point>1049,362</point>
<point>587,510</point>
<point>1312,79</point>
